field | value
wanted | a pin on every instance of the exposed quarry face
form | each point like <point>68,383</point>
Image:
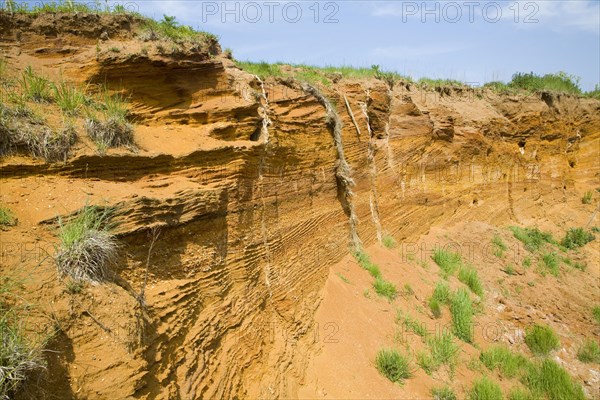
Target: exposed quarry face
<point>244,196</point>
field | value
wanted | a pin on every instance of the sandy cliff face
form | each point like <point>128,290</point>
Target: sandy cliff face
<point>241,190</point>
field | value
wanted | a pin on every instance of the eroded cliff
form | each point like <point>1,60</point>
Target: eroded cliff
<point>238,181</point>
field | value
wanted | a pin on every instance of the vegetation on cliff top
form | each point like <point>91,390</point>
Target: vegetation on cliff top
<point>526,83</point>
<point>169,29</point>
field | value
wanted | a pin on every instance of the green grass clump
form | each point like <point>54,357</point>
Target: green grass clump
<point>589,352</point>
<point>580,266</point>
<point>532,238</point>
<point>35,87</point>
<point>520,394</point>
<point>577,237</point>
<point>385,289</point>
<point>348,71</point>
<point>500,357</point>
<point>485,389</point>
<point>114,106</point>
<point>112,129</point>
<point>587,197</point>
<point>86,245</point>
<point>62,6</point>
<point>310,74</point>
<point>411,324</point>
<point>497,86</point>
<point>168,28</point>
<point>510,270</point>
<point>435,307</point>
<point>342,277</point>
<point>108,126</point>
<point>551,262</point>
<point>393,365</point>
<point>499,246</point>
<point>550,379</point>
<point>462,315</point>
<point>261,69</point>
<point>527,262</point>
<point>69,98</point>
<point>541,339</point>
<point>441,295</point>
<point>443,393</point>
<point>20,356</point>
<point>440,82</point>
<point>7,217</point>
<point>469,277</point>
<point>448,261</point>
<point>388,241</point>
<point>442,351</point>
<point>596,314</point>
<point>594,94</point>
<point>364,261</point>
<point>74,287</point>
<point>558,82</point>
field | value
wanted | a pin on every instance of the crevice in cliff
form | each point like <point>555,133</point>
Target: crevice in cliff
<point>264,111</point>
<point>373,196</point>
<point>343,172</point>
<point>264,135</point>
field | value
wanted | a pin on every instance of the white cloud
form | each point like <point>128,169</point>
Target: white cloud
<point>584,15</point>
<point>553,14</point>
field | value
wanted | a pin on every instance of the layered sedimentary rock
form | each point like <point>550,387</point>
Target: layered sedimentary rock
<point>248,215</point>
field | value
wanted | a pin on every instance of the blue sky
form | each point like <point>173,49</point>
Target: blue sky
<point>473,41</point>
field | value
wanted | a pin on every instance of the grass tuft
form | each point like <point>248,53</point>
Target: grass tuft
<point>550,379</point>
<point>532,238</point>
<point>441,295</point>
<point>448,261</point>
<point>596,314</point>
<point>469,277</point>
<point>35,87</point>
<point>385,288</point>
<point>388,241</point>
<point>589,352</point>
<point>442,351</point>
<point>7,217</point>
<point>499,246</point>
<point>462,315</point>
<point>20,357</point>
<point>443,393</point>
<point>87,247</point>
<point>410,324</point>
<point>587,197</point>
<point>46,144</point>
<point>364,261</point>
<point>500,357</point>
<point>520,394</point>
<point>261,69</point>
<point>110,133</point>
<point>169,29</point>
<point>393,365</point>
<point>541,339</point>
<point>551,262</point>
<point>485,389</point>
<point>342,277</point>
<point>577,237</point>
<point>69,98</point>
